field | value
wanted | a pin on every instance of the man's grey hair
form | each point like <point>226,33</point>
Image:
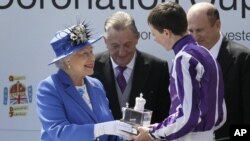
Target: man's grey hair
<point>119,21</point>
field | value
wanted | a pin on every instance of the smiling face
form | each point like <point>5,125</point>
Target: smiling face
<point>82,62</point>
<point>121,45</point>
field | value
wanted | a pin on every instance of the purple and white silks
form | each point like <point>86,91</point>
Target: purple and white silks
<point>196,90</point>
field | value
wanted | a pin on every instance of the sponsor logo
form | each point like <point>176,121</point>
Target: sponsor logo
<point>17,96</point>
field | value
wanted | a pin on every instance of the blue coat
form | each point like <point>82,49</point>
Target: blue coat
<point>65,115</point>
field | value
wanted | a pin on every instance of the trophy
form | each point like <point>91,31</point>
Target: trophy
<point>138,116</point>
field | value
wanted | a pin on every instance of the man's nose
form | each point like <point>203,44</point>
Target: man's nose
<point>194,34</point>
<point>121,51</point>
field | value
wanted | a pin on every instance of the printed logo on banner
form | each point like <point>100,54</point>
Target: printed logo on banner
<point>17,96</point>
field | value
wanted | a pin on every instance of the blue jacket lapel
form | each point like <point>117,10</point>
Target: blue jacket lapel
<point>94,97</point>
<point>72,92</point>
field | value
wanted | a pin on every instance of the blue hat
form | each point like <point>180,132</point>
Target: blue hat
<point>71,40</point>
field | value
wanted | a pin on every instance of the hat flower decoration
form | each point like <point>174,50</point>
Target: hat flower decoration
<point>70,40</point>
<point>78,35</point>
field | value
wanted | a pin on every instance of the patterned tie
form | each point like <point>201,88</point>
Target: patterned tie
<point>81,91</point>
<point>121,79</point>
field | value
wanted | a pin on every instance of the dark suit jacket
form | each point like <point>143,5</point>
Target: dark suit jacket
<point>235,63</point>
<point>151,77</point>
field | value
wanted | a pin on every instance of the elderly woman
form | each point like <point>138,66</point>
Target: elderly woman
<point>71,105</point>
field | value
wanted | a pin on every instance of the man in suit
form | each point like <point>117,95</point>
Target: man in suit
<point>143,73</point>
<point>205,25</point>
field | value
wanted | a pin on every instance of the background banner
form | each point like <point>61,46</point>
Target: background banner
<point>27,26</point>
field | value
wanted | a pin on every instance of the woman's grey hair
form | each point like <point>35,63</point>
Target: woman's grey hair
<point>61,64</point>
<point>119,21</point>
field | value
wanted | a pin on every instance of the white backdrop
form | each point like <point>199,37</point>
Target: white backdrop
<point>27,26</point>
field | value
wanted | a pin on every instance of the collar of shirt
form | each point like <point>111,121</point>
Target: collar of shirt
<point>128,71</point>
<point>181,43</point>
<point>84,95</point>
<point>81,89</point>
<point>216,48</point>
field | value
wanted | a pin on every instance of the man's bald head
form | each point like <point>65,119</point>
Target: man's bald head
<point>205,9</point>
<point>204,23</point>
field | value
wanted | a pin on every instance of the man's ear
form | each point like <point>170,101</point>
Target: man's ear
<point>167,32</point>
<point>138,35</point>
<point>218,24</point>
<point>105,40</point>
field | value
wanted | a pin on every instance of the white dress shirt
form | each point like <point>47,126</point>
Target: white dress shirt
<point>127,72</point>
<point>216,48</point>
